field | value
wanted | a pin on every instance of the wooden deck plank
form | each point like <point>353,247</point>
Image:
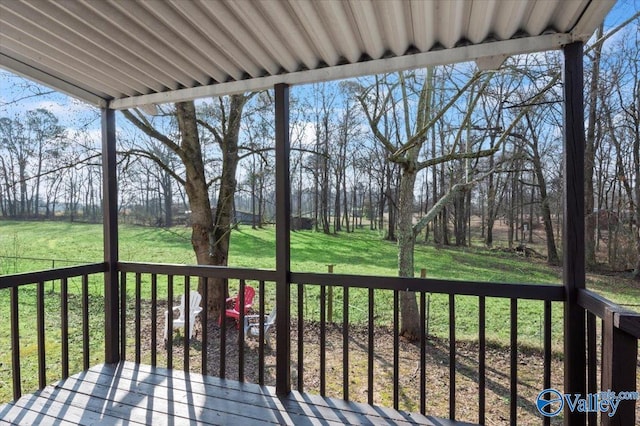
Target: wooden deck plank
<point>135,394</point>
<point>18,415</point>
<point>174,398</point>
<point>76,406</point>
<point>153,409</point>
<point>295,403</point>
<point>40,408</point>
<point>373,413</point>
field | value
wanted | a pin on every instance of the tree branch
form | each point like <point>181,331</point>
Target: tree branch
<point>456,156</point>
<point>211,129</point>
<point>143,124</point>
<point>417,138</point>
<point>155,159</point>
<point>375,120</point>
<point>444,200</point>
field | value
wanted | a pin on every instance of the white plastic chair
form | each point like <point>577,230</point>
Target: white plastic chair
<point>194,309</point>
<point>252,325</point>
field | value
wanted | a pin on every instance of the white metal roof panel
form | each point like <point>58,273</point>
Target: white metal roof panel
<point>130,53</point>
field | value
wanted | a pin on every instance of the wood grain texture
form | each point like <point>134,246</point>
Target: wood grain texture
<point>129,393</point>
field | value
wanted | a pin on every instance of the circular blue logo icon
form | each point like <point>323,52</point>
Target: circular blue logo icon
<point>550,402</point>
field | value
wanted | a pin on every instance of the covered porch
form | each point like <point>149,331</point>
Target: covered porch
<point>273,45</point>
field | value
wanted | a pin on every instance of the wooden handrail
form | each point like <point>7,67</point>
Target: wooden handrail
<point>15,280</point>
<point>206,271</point>
<point>620,334</point>
<point>554,293</point>
<point>623,318</point>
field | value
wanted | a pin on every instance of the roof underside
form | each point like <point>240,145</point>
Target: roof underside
<point>123,54</point>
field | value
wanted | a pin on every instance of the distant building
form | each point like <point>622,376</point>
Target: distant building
<point>301,223</point>
<point>242,218</point>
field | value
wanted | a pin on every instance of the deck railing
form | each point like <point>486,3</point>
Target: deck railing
<point>177,280</point>
<point>17,283</point>
<point>347,345</point>
<point>617,351</point>
<point>386,291</point>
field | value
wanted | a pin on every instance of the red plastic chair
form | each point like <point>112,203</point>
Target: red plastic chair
<point>233,305</point>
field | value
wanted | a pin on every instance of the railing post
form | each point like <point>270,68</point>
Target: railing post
<point>573,228</point>
<point>619,359</point>
<point>283,242</point>
<point>110,233</point>
<point>330,296</point>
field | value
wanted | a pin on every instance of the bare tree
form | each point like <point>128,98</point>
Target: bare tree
<point>620,101</point>
<point>410,129</point>
<point>209,235</point>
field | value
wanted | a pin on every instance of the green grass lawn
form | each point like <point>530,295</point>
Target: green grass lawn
<point>363,252</point>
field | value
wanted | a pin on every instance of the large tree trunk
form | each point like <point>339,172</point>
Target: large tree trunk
<point>209,236</point>
<point>552,253</point>
<point>202,230</point>
<point>536,160</point>
<point>223,220</point>
<point>410,328</point>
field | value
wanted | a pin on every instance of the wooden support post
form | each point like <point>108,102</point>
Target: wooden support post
<point>575,365</point>
<point>283,241</point>
<point>619,359</point>
<point>110,235</point>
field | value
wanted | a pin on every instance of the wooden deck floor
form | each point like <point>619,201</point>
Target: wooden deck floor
<point>134,394</point>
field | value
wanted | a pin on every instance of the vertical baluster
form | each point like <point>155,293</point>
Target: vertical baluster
<point>396,353</point>
<point>592,361</point>
<point>240,326</point>
<point>123,315</point>
<point>169,322</point>
<point>64,322</point>
<point>187,323</point>
<point>154,320</point>
<point>371,348</point>
<point>345,343</point>
<point>301,302</point>
<point>223,336</point>
<point>547,352</point>
<point>42,368</point>
<point>514,362</point>
<point>482,350</point>
<point>322,340</point>
<point>137,316</point>
<point>423,353</point>
<point>452,356</point>
<point>204,316</point>
<point>15,344</point>
<point>85,322</point>
<point>261,336</point>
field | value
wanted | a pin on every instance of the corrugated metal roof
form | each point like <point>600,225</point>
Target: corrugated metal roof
<point>129,53</point>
